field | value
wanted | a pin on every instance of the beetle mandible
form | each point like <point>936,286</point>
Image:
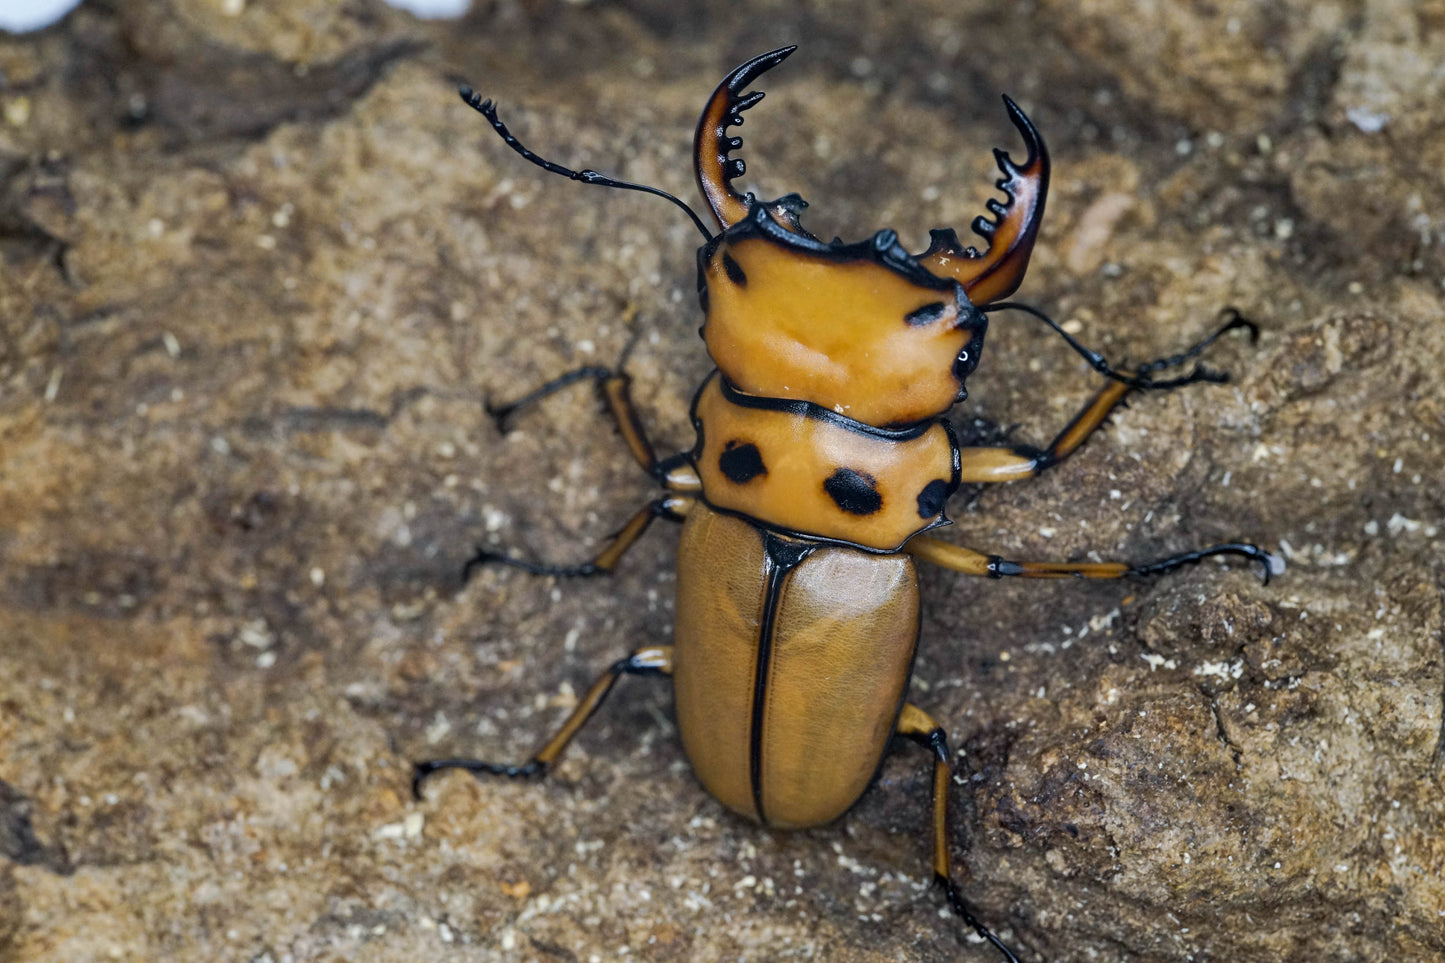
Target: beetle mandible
<point>822,460</point>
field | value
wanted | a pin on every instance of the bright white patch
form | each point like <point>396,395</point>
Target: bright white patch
<point>432,9</point>
<point>20,16</point>
<point>1223,670</point>
<point>1368,121</point>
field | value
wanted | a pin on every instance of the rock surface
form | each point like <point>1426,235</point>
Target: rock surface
<point>261,267</point>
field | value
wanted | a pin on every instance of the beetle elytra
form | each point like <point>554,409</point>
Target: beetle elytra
<point>822,461</point>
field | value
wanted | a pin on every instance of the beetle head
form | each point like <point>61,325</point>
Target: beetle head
<point>863,329</point>
<point>866,329</point>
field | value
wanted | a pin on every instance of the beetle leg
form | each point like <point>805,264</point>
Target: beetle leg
<point>616,387</point>
<point>982,465</point>
<point>651,660</point>
<point>501,413</point>
<point>979,465</point>
<point>672,507</point>
<point>1141,379</point>
<point>919,726</point>
<point>959,559</point>
<point>675,474</point>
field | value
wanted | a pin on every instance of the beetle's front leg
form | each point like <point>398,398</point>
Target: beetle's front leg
<point>675,474</point>
<point>988,464</point>
<point>919,726</point>
<point>981,465</point>
<point>959,559</point>
<point>616,389</point>
<point>652,660</point>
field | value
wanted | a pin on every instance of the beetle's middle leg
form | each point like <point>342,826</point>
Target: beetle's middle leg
<point>651,660</point>
<point>987,464</point>
<point>672,507</point>
<point>956,558</point>
<point>919,726</point>
<point>675,474</point>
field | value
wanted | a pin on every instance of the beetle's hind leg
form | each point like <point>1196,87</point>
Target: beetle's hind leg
<point>984,464</point>
<point>652,660</point>
<point>919,726</point>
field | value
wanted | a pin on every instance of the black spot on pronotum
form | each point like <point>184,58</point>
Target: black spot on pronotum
<point>853,491</point>
<point>734,270</point>
<point>932,499</point>
<point>741,462</point>
<point>927,314</point>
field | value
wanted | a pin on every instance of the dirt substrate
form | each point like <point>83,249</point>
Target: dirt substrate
<point>261,268</point>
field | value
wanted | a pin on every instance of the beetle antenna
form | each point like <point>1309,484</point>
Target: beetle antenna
<point>489,110</point>
<point>1233,319</point>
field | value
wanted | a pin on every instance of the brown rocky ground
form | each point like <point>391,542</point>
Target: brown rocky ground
<point>261,267</point>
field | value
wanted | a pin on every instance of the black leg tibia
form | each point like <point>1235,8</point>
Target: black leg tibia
<point>671,507</point>
<point>917,725</point>
<point>652,660</point>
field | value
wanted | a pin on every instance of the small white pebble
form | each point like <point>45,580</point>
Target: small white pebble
<point>17,112</point>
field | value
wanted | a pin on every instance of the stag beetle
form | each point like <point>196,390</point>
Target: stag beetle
<point>822,460</point>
